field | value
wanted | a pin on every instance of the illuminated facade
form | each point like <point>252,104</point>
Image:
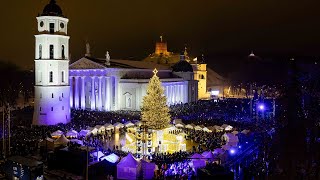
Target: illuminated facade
<point>51,101</point>
<point>122,84</point>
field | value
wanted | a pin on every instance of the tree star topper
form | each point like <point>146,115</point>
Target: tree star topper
<point>155,71</point>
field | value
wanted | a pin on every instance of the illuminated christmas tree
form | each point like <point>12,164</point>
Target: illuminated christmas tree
<point>155,111</point>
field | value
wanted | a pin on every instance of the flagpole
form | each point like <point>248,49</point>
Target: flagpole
<point>9,134</point>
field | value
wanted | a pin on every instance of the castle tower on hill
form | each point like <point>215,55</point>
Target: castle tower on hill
<point>161,48</point>
<point>52,90</point>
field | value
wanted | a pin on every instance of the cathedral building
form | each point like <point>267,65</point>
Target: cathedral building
<point>101,84</point>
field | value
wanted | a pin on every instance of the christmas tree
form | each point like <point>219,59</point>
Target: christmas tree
<point>155,111</point>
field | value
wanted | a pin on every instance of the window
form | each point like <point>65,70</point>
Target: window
<point>51,28</point>
<point>51,108</point>
<point>40,76</point>
<point>51,76</point>
<point>62,107</point>
<point>62,94</point>
<point>51,51</point>
<point>40,108</point>
<point>40,51</point>
<point>62,52</point>
<point>52,95</point>
<point>62,76</point>
<point>40,95</point>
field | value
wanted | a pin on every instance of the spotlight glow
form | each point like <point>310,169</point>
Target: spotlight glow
<point>261,107</point>
<point>232,151</point>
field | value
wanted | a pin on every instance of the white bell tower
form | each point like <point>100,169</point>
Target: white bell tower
<point>52,90</point>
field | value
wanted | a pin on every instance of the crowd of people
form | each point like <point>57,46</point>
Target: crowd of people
<point>234,112</point>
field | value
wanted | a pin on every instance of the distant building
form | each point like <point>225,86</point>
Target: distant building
<point>206,77</point>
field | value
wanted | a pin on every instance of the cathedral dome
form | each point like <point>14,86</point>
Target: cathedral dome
<point>182,66</point>
<point>52,9</point>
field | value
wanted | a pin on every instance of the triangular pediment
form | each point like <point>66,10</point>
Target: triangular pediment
<point>85,63</point>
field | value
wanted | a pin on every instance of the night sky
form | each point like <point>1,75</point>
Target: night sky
<point>129,28</point>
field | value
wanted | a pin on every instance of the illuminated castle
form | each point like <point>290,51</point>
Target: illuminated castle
<point>206,77</point>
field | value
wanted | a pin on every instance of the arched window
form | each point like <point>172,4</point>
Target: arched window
<point>40,109</point>
<point>62,76</point>
<point>62,52</point>
<point>50,76</point>
<point>52,95</point>
<point>51,28</point>
<point>51,51</point>
<point>51,108</point>
<point>40,51</point>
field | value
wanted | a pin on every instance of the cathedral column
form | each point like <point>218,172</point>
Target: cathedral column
<point>76,92</point>
<point>71,91</point>
<point>171,95</point>
<point>93,105</point>
<point>117,94</point>
<point>108,94</point>
<point>186,93</point>
<point>166,88</point>
<point>99,94</point>
<point>181,93</point>
<point>83,97</point>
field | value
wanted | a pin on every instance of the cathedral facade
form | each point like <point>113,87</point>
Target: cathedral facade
<point>100,84</point>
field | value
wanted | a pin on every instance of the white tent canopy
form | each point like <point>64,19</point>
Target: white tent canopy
<point>218,151</point>
<point>128,168</point>
<point>148,168</point>
<point>72,133</point>
<point>77,141</point>
<point>138,123</point>
<point>198,128</point>
<point>113,158</point>
<point>190,126</point>
<point>108,126</point>
<point>57,133</point>
<point>246,131</point>
<point>93,130</point>
<point>208,155</point>
<point>62,140</point>
<point>118,125</point>
<point>235,132</point>
<point>196,156</point>
<point>128,124</point>
<point>180,124</point>
<point>84,132</point>
<point>197,161</point>
<point>100,128</point>
<point>177,121</point>
<point>227,127</point>
<point>218,128</point>
<point>206,129</point>
<point>97,154</point>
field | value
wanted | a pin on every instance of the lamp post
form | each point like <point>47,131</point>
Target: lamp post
<point>3,133</point>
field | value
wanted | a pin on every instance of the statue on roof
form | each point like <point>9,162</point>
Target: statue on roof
<point>87,50</point>
<point>107,58</point>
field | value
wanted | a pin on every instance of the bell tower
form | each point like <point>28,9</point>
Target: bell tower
<point>52,90</point>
